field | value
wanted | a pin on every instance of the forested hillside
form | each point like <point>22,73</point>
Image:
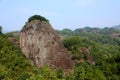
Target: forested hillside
<point>15,66</point>
<point>95,54</point>
<point>104,36</point>
<point>88,45</point>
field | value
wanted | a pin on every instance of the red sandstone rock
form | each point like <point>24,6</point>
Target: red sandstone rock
<point>40,43</point>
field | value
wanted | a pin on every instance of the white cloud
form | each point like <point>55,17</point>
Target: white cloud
<point>83,3</point>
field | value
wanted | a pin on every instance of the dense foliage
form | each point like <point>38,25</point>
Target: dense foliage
<point>106,57</point>
<point>87,45</point>
<point>38,17</point>
<point>15,66</point>
<point>103,45</point>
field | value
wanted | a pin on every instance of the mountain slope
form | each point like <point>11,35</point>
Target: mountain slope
<point>15,66</point>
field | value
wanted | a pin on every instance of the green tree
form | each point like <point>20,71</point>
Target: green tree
<point>60,73</point>
<point>67,32</point>
<point>45,73</point>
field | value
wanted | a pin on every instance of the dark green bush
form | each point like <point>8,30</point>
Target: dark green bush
<point>60,73</point>
<point>37,17</point>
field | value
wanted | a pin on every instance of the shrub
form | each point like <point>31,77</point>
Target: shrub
<point>37,17</point>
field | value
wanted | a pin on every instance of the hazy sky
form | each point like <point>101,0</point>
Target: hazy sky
<point>61,13</point>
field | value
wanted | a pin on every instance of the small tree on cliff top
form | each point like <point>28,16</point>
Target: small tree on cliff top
<point>37,17</point>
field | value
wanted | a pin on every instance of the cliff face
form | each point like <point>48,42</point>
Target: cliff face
<point>40,43</point>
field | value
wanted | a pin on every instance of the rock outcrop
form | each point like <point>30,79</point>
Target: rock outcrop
<point>40,43</point>
<point>13,40</point>
<point>86,53</point>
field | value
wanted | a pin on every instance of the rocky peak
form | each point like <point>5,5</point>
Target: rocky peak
<point>40,43</point>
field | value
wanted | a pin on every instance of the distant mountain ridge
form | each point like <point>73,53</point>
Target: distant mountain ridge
<point>116,27</point>
<point>78,31</point>
<point>105,35</point>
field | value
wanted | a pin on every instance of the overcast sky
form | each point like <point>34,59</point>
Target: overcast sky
<point>61,13</point>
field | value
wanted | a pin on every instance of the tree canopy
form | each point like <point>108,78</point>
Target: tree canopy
<point>37,17</point>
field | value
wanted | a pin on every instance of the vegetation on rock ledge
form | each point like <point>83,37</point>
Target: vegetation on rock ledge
<point>37,17</point>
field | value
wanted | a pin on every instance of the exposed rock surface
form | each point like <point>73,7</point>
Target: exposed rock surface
<point>40,43</point>
<point>14,40</point>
